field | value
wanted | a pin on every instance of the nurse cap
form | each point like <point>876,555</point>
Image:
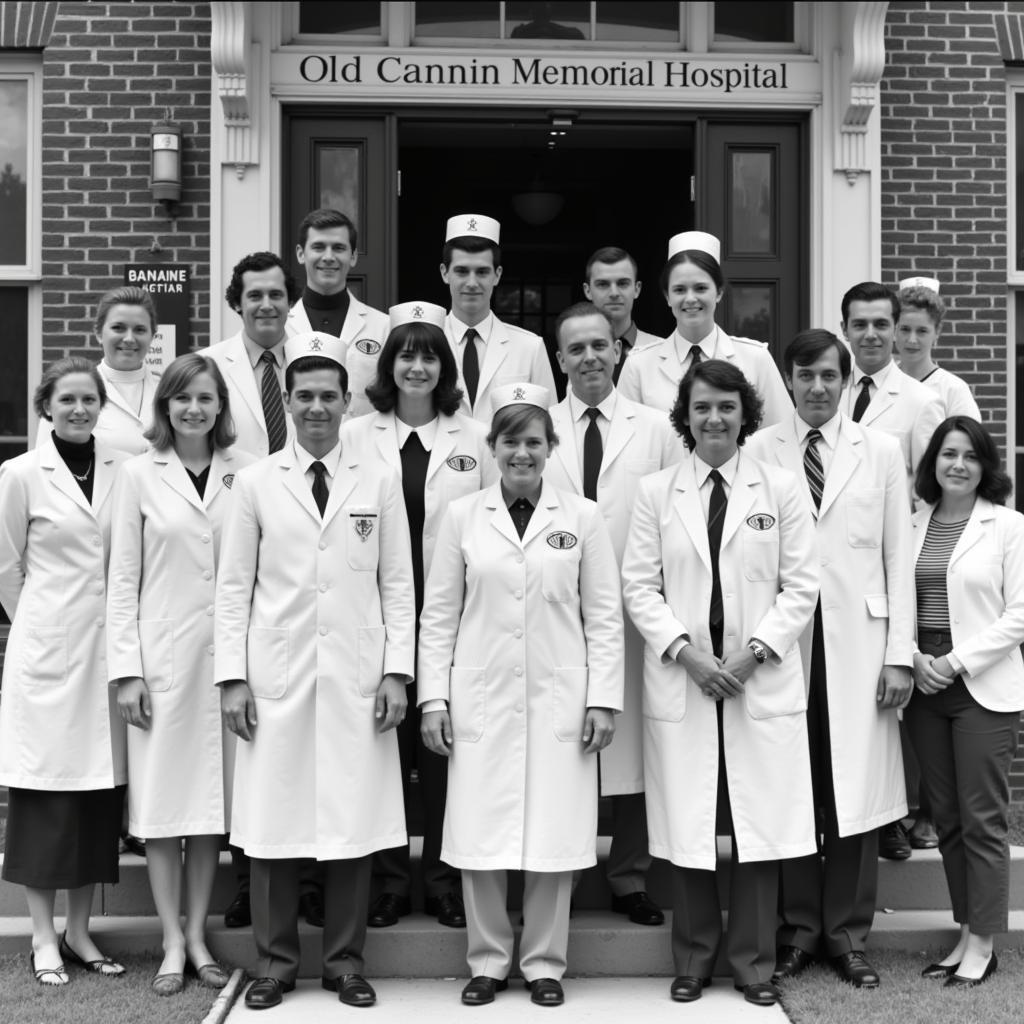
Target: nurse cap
<point>520,394</point>
<point>314,343</point>
<point>931,283</point>
<point>473,224</point>
<point>417,313</point>
<point>699,240</point>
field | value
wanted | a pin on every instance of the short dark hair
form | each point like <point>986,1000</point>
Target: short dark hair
<point>995,484</point>
<point>124,295</point>
<point>698,258</point>
<point>870,291</point>
<point>258,261</point>
<point>323,219</point>
<point>609,254</point>
<point>418,337</point>
<point>925,300</point>
<point>809,346</point>
<point>470,243</point>
<point>308,364</point>
<point>574,312</point>
<point>513,419</point>
<point>173,381</point>
<point>63,368</point>
<point>722,376</point>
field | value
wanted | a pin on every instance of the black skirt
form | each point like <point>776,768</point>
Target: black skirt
<point>62,840</point>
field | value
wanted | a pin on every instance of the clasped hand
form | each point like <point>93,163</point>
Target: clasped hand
<point>932,675</point>
<point>718,678</point>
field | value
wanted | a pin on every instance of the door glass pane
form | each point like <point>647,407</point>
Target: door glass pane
<point>624,23</point>
<point>751,193</point>
<point>353,17</point>
<point>1018,110</point>
<point>14,359</point>
<point>548,21</point>
<point>13,171</point>
<point>339,180</point>
<point>753,310</point>
<point>480,20</point>
<point>758,22</point>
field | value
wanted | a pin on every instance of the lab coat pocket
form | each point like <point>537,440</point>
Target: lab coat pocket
<point>776,690</point>
<point>156,639</point>
<point>878,605</point>
<point>267,653</point>
<point>569,703</point>
<point>371,659</point>
<point>761,556</point>
<point>664,694</point>
<point>44,656</point>
<point>865,514</point>
<point>560,569</point>
<point>363,543</point>
<point>467,703</point>
<point>641,467</point>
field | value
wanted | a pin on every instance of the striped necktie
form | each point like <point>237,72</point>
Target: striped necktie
<point>813,467</point>
<point>273,405</point>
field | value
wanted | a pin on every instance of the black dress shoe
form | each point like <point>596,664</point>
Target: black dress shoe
<point>790,961</point>
<point>956,981</point>
<point>939,971</point>
<point>854,968</point>
<point>238,914</point>
<point>760,993</point>
<point>923,835</point>
<point>893,843</point>
<point>687,989</point>
<point>311,907</point>
<point>353,990</point>
<point>448,909</point>
<point>546,992</point>
<point>387,909</point>
<point>640,908</point>
<point>480,990</point>
<point>264,993</point>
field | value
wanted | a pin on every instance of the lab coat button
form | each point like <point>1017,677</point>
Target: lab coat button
<point>518,634</point>
<point>97,541</point>
<point>99,623</point>
<point>209,609</point>
<point>322,546</point>
<point>207,575</point>
<point>209,650</point>
<point>323,588</point>
<point>518,670</point>
<point>205,538</point>
<point>519,559</point>
<point>519,709</point>
<point>323,631</point>
<point>519,595</point>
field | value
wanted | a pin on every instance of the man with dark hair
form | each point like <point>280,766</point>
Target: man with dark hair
<point>857,656</point>
<point>327,251</point>
<point>611,283</point>
<point>489,352</point>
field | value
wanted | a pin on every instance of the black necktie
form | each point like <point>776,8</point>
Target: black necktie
<point>471,366</point>
<point>863,399</point>
<point>593,451</point>
<point>716,520</point>
<point>415,462</point>
<point>813,467</point>
<point>695,355</point>
<point>320,491</point>
<point>273,405</point>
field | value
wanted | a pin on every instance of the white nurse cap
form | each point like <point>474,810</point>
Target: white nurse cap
<point>417,313</point>
<point>473,224</point>
<point>699,240</point>
<point>930,283</point>
<point>314,343</point>
<point>520,394</point>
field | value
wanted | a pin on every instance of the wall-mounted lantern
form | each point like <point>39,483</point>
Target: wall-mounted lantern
<point>165,170</point>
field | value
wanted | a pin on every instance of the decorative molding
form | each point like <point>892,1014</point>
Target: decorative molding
<point>231,52</point>
<point>25,26</point>
<point>1010,34</point>
<point>857,72</point>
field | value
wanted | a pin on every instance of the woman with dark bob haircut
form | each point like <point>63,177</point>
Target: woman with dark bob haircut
<point>61,740</point>
<point>169,506</point>
<point>969,679</point>
<point>440,454</point>
<point>723,377</point>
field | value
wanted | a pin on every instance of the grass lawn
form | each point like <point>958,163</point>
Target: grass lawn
<point>90,999</point>
<point>818,996</point>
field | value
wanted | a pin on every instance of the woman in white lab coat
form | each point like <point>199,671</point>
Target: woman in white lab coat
<point>61,740</point>
<point>520,673</point>
<point>169,504</point>
<point>440,455</point>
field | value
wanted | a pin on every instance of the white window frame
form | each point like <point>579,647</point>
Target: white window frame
<point>1014,277</point>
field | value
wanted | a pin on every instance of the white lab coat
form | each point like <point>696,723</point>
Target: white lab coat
<point>511,356</point>
<point>244,396</point>
<point>163,561</point>
<point>59,724</point>
<point>640,441</point>
<point>651,375</point>
<point>313,613</point>
<point>956,396</point>
<point>521,637</point>
<point>364,332</point>
<point>867,609</point>
<point>985,587</point>
<point>769,587</point>
<point>460,462</point>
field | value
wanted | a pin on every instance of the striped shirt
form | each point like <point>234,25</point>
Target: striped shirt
<point>930,574</point>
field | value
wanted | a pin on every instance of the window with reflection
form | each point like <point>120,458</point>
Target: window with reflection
<point>13,171</point>
<point>350,18</point>
<point>14,378</point>
<point>459,20</point>
<point>758,22</point>
<point>638,22</point>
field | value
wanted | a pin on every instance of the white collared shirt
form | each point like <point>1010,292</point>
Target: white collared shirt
<point>702,471</point>
<point>706,346</point>
<point>255,354</point>
<point>580,420</point>
<point>827,444</point>
<point>483,335</point>
<point>305,461</point>
<point>878,382</point>
<point>427,433</point>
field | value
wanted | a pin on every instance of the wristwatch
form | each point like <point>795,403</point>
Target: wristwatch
<point>759,651</point>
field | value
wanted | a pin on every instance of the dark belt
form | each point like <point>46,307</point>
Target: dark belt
<point>934,637</point>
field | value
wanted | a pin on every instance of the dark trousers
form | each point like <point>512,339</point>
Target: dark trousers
<point>827,900</point>
<point>965,752</point>
<point>753,907</point>
<point>275,924</point>
<point>310,875</point>
<point>628,856</point>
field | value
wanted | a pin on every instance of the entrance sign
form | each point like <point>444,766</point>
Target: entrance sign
<point>169,285</point>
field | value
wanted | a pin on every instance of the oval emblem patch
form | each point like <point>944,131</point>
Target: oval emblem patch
<point>368,346</point>
<point>462,463</point>
<point>562,540</point>
<point>761,521</point>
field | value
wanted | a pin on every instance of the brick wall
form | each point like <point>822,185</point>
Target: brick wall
<point>109,72</point>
